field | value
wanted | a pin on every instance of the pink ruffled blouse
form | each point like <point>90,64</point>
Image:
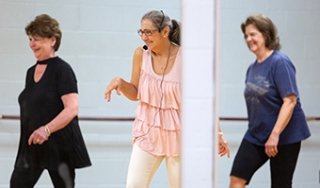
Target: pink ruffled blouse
<point>156,128</point>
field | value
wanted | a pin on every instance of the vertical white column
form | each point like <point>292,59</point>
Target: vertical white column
<point>199,94</point>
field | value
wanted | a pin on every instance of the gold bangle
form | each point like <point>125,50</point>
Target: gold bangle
<point>47,130</point>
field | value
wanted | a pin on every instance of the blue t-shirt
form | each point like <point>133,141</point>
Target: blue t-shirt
<point>267,83</point>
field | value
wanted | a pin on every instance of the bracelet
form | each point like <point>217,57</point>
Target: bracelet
<point>220,133</point>
<point>47,130</point>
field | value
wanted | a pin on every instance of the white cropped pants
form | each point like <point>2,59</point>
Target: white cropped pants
<point>143,166</point>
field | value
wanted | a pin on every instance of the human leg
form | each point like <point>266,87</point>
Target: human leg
<point>236,182</point>
<point>283,165</point>
<point>64,177</point>
<point>173,170</point>
<point>142,167</point>
<point>247,161</point>
<point>25,177</point>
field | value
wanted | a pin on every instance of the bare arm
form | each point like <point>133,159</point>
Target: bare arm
<point>284,117</point>
<point>70,102</point>
<point>128,89</point>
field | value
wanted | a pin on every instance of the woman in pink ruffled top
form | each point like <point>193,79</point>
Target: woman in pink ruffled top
<point>156,84</point>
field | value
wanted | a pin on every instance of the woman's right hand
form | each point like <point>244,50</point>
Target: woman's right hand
<point>38,136</point>
<point>113,85</point>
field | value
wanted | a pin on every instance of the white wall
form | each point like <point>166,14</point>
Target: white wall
<point>99,37</point>
<point>98,40</point>
<point>199,93</point>
<point>299,36</point>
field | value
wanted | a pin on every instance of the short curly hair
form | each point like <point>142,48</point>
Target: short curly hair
<point>45,26</point>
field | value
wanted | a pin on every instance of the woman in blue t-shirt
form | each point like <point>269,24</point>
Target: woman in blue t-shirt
<point>277,123</point>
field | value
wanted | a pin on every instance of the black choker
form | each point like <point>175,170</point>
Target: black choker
<point>45,61</point>
<point>42,62</point>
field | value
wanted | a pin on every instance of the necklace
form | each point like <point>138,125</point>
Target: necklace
<point>163,67</point>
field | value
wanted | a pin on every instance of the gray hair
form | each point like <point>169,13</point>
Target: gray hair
<point>161,20</point>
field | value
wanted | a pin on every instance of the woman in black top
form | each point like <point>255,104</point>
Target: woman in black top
<point>50,134</point>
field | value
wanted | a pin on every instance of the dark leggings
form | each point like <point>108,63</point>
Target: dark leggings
<point>251,157</point>
<point>27,177</point>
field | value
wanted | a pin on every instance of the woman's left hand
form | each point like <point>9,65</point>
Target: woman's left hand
<point>223,146</point>
<point>38,136</point>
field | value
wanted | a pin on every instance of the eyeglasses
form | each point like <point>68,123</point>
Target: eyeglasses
<point>147,32</point>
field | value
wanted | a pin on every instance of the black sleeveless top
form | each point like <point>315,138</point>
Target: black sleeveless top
<point>40,102</point>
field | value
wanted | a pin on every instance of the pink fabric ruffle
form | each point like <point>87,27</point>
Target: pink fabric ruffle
<point>155,140</point>
<point>156,128</point>
<point>150,91</point>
